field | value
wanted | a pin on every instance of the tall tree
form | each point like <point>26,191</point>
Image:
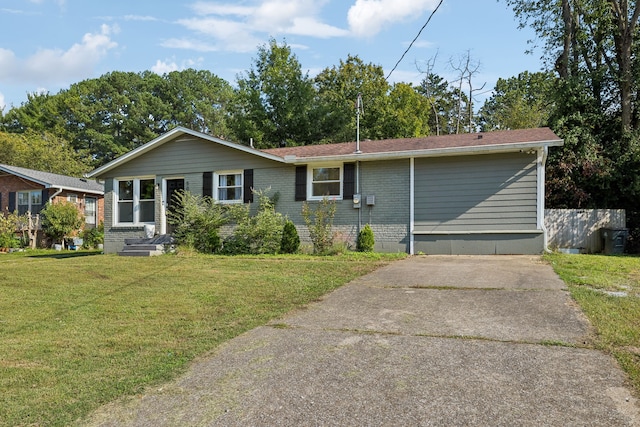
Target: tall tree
<point>42,151</point>
<point>443,101</point>
<point>118,111</point>
<point>596,39</point>
<point>518,102</point>
<point>338,89</point>
<point>274,102</point>
<point>408,113</point>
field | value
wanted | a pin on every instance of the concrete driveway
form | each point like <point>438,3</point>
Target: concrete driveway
<point>426,341</point>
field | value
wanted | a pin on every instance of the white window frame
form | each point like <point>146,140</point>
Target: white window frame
<point>216,185</point>
<point>72,198</point>
<point>30,194</point>
<point>310,181</point>
<point>92,219</point>
<point>136,200</point>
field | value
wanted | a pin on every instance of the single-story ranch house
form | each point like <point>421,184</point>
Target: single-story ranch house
<point>27,190</point>
<point>479,193</point>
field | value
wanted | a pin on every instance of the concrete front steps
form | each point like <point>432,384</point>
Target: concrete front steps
<point>154,246</point>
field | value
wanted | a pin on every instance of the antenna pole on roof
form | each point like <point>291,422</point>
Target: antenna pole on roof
<point>358,107</point>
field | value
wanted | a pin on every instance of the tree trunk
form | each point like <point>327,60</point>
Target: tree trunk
<point>623,38</point>
<point>567,18</point>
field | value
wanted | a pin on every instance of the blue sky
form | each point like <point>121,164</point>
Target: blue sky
<point>54,43</point>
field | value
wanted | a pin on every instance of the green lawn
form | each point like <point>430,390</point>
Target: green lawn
<point>78,330</point>
<point>607,288</point>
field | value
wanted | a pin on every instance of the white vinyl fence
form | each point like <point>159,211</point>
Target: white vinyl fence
<point>580,228</point>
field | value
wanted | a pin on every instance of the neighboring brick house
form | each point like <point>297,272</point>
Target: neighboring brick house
<point>453,194</point>
<point>27,190</point>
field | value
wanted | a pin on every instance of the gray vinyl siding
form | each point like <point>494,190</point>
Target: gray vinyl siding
<point>188,155</point>
<point>476,193</point>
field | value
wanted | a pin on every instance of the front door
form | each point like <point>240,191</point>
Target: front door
<point>173,186</point>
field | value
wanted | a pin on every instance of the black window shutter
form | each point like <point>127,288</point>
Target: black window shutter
<point>247,184</point>
<point>349,181</point>
<point>12,201</point>
<point>207,184</point>
<point>45,197</point>
<point>301,183</point>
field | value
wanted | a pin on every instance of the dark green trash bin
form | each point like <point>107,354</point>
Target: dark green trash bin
<point>615,240</point>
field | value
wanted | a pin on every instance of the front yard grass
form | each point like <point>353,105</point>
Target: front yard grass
<point>78,329</point>
<point>607,288</point>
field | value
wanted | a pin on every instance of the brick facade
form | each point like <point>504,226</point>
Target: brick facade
<point>11,184</point>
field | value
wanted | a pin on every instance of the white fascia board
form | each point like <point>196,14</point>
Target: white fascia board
<point>438,152</point>
<point>78,190</point>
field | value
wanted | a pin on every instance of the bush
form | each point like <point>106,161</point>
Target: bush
<point>319,221</point>
<point>92,237</point>
<point>8,225</point>
<point>197,221</point>
<point>365,241</point>
<point>290,243</point>
<point>61,220</point>
<point>258,234</point>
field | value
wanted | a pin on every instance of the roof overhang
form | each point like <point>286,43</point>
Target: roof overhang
<point>436,152</point>
<point>49,184</point>
<point>170,136</point>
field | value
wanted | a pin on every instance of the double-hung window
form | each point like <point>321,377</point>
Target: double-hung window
<point>29,201</point>
<point>324,181</point>
<point>136,200</point>
<point>228,186</point>
<point>90,211</point>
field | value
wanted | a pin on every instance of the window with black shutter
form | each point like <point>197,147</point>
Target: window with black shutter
<point>301,183</point>
<point>349,181</point>
<point>12,201</point>
<point>207,184</point>
<point>248,186</point>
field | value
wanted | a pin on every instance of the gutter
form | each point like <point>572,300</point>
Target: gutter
<point>439,152</point>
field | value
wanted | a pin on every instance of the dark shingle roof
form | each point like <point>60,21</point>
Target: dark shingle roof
<point>466,140</point>
<point>54,180</point>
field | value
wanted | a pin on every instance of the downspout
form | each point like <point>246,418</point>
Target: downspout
<point>358,192</point>
<point>541,197</point>
<point>58,191</point>
<point>411,205</point>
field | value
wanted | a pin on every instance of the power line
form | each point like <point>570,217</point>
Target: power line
<point>414,40</point>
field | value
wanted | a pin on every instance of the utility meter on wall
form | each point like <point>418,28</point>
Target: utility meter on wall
<point>356,201</point>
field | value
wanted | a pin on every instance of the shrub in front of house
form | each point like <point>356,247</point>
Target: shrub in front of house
<point>197,221</point>
<point>92,237</point>
<point>319,221</point>
<point>61,220</point>
<point>290,243</point>
<point>8,226</point>
<point>366,240</point>
<point>257,234</point>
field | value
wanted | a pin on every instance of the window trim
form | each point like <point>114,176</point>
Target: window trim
<point>135,201</point>
<point>216,186</point>
<point>94,217</point>
<point>310,181</point>
<point>73,195</point>
<point>30,205</point>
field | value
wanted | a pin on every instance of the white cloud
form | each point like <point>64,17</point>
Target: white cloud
<point>368,17</point>
<point>3,104</point>
<point>206,8</point>
<point>48,66</point>
<point>240,28</point>
<point>164,67</point>
<point>139,18</point>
